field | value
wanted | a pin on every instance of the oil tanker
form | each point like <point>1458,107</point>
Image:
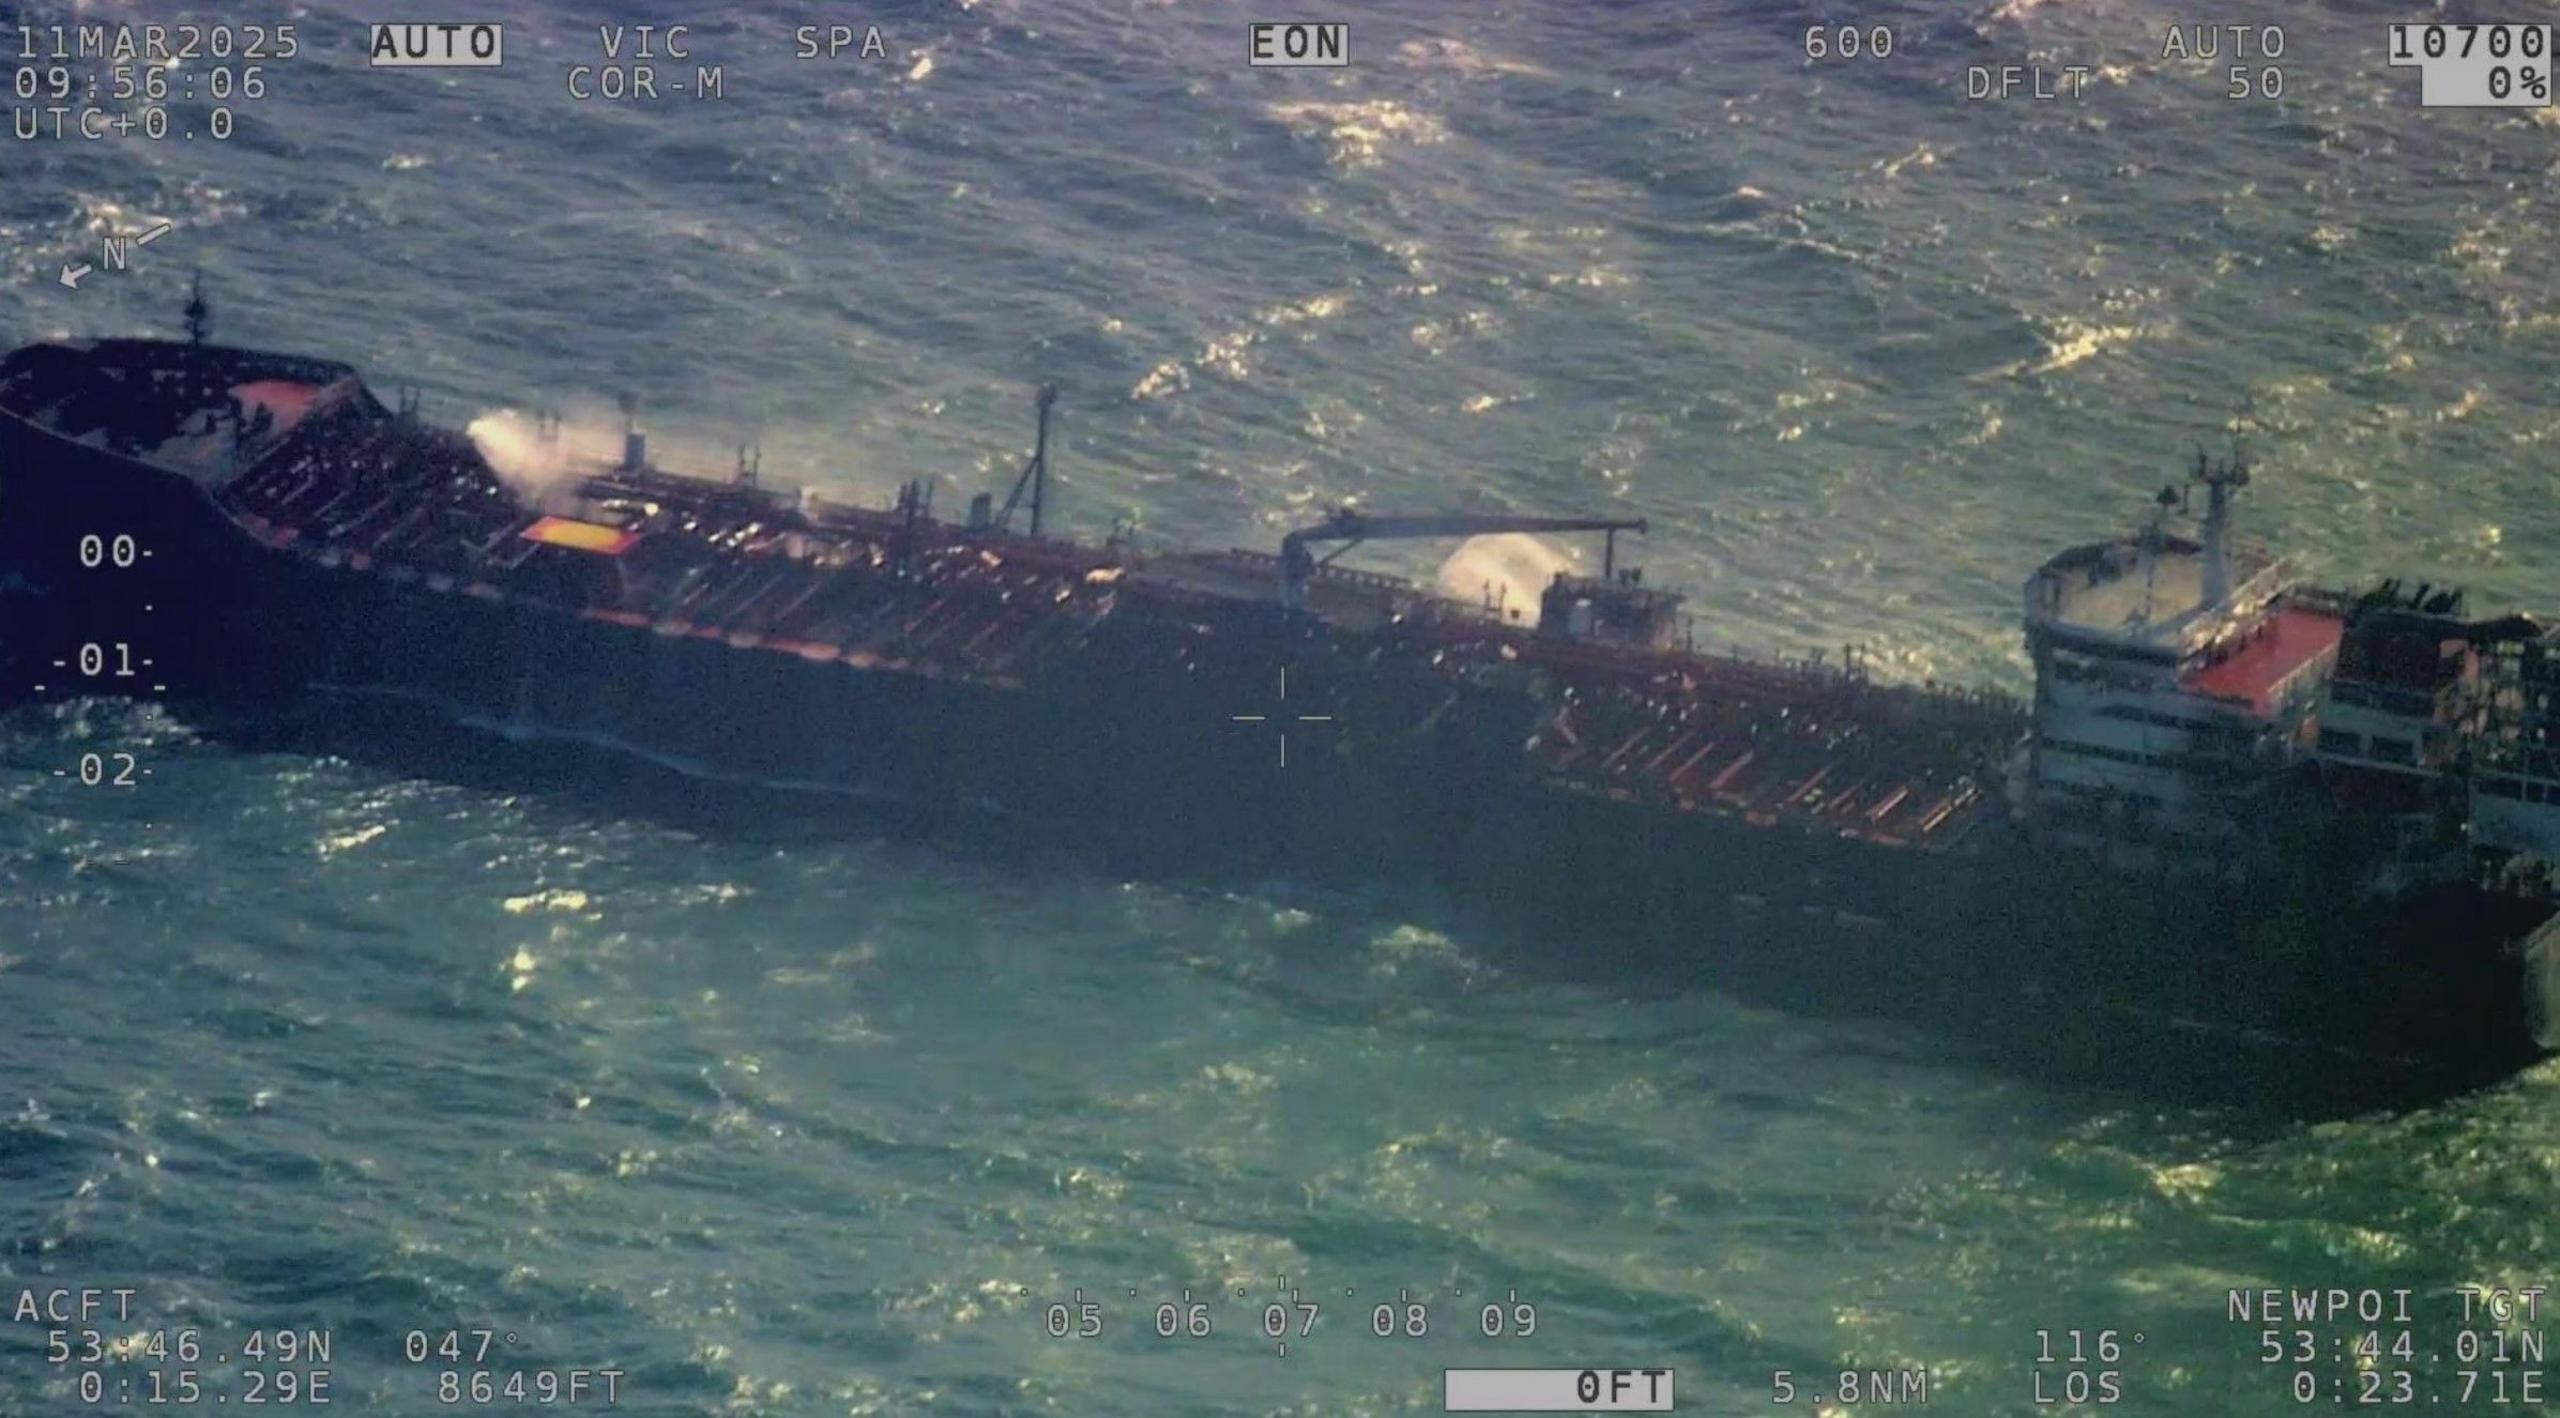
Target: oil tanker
<point>2246,828</point>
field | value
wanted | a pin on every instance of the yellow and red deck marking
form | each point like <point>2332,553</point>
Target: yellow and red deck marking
<point>580,536</point>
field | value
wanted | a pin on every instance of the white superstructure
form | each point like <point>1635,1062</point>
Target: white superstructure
<point>2171,673</point>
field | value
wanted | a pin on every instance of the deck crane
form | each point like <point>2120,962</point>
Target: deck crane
<point>1035,473</point>
<point>1351,528</point>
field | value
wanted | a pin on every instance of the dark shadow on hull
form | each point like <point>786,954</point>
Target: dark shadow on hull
<point>1792,962</point>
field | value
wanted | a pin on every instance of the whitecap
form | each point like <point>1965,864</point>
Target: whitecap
<point>554,899</point>
<point>335,843</point>
<point>2070,342</point>
<point>1459,57</point>
<point>1356,132</point>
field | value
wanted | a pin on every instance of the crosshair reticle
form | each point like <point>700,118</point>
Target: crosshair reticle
<point>1283,720</point>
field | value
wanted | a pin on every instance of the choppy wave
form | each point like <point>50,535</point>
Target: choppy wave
<point>826,1125</point>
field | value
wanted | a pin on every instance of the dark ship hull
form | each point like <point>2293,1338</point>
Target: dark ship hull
<point>1113,735</point>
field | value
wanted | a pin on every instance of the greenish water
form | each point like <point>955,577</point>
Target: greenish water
<point>785,1127</point>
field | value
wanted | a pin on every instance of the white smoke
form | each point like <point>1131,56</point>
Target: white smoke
<point>1510,568</point>
<point>537,464</point>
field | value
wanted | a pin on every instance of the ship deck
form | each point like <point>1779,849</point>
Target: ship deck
<point>316,468</point>
<point>2293,641</point>
<point>201,412</point>
<point>1804,744</point>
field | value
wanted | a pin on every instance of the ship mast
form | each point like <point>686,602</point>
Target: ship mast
<point>635,444</point>
<point>1035,473</point>
<point>199,314</point>
<point>2220,481</point>
<point>2153,531</point>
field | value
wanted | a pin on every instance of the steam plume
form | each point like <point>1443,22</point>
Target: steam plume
<point>1515,565</point>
